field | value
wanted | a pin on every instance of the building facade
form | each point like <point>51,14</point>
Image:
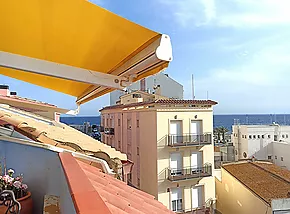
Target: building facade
<point>170,143</point>
<point>254,140</point>
<point>253,187</point>
<point>168,87</point>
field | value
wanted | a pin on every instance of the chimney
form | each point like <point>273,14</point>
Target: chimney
<point>158,90</point>
<point>4,90</point>
<point>142,84</point>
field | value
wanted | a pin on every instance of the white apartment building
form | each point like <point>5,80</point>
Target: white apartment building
<point>168,87</point>
<point>254,140</point>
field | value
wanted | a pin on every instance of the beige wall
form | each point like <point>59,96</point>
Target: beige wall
<point>154,154</point>
<point>234,197</point>
<point>163,122</point>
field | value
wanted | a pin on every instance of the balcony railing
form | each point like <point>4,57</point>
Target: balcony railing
<point>189,140</point>
<point>109,131</point>
<point>189,172</point>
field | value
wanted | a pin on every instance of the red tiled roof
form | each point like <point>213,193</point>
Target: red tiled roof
<point>163,102</point>
<point>266,180</point>
<point>193,102</point>
<point>111,194</point>
<point>21,99</point>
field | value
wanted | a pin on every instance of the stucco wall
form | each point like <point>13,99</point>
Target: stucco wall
<point>163,123</point>
<point>234,197</point>
<point>148,152</point>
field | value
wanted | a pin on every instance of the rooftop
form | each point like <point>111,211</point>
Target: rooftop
<point>57,134</point>
<point>265,179</point>
<point>164,102</point>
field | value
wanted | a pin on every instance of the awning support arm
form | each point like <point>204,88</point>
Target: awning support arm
<point>43,67</point>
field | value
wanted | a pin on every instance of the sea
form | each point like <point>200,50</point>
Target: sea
<point>219,120</point>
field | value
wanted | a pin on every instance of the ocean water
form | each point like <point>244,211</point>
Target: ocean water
<point>219,120</point>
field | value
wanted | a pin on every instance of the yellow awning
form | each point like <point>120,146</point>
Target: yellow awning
<point>75,33</point>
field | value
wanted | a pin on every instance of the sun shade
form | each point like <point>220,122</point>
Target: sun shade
<point>76,47</point>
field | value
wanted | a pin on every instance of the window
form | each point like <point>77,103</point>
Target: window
<point>283,136</point>
<point>269,136</point>
<point>282,158</point>
<point>107,124</point>
<point>275,137</point>
<point>245,154</point>
<point>137,150</point>
<point>263,136</point>
<point>245,136</point>
<point>119,144</point>
<point>276,157</point>
<point>254,136</point>
<point>250,136</point>
<point>136,95</point>
<point>236,151</point>
<point>269,157</point>
<point>119,122</point>
<point>286,135</point>
<point>129,124</point>
<point>258,136</point>
<point>137,123</point>
<point>138,182</point>
<point>129,177</point>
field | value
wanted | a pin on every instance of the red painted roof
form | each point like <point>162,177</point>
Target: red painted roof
<point>104,193</point>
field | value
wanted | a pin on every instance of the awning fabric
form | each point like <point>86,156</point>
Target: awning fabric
<point>71,32</point>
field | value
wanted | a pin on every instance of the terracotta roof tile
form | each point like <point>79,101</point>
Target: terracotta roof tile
<point>21,99</point>
<point>163,102</point>
<point>118,196</point>
<point>54,133</point>
<point>266,180</point>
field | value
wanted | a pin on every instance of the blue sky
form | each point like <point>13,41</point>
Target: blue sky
<point>238,51</point>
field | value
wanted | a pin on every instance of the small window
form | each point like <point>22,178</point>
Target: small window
<point>263,136</point>
<point>258,136</point>
<point>119,122</point>
<point>276,157</point>
<point>254,136</point>
<point>136,95</point>
<point>245,136</point>
<point>236,151</point>
<point>269,157</point>
<point>119,144</point>
<point>245,154</point>
<point>275,137</point>
<point>138,182</point>
<point>137,123</point>
<point>137,150</point>
<point>269,136</point>
<point>282,159</point>
<point>286,135</point>
<point>283,136</point>
<point>250,136</point>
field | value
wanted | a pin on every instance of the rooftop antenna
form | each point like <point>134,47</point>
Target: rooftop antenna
<point>192,87</point>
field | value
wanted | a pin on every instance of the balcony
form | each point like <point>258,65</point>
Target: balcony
<point>189,140</point>
<point>109,131</point>
<point>189,173</point>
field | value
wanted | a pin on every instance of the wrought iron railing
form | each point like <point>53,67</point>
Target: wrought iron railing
<point>189,139</point>
<point>189,172</point>
<point>109,131</point>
